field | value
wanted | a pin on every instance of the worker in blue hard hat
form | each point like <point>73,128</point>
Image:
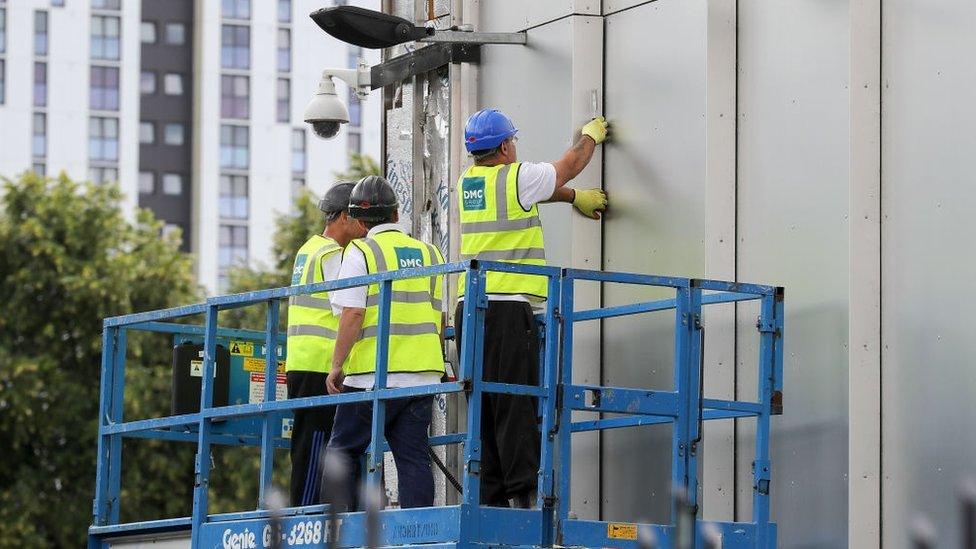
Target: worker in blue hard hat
<point>498,200</point>
<point>312,329</point>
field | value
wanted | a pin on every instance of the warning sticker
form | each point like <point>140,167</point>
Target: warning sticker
<point>287,426</point>
<point>242,348</point>
<point>622,530</point>
<point>257,365</point>
<point>256,388</point>
<point>196,368</point>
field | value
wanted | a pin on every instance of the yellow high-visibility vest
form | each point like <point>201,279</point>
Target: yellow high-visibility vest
<point>495,227</point>
<point>415,312</point>
<point>312,328</point>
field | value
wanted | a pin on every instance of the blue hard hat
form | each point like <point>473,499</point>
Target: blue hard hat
<point>487,129</point>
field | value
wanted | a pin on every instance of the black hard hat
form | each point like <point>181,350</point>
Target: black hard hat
<point>336,199</point>
<point>372,200</point>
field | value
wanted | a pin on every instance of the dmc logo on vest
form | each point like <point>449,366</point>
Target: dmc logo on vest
<point>296,273</point>
<point>473,193</point>
<point>408,258</point>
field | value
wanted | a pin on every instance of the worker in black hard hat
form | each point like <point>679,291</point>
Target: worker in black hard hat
<point>415,346</point>
<point>312,329</point>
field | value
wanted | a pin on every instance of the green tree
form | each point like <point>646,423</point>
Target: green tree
<point>71,258</point>
<point>360,165</point>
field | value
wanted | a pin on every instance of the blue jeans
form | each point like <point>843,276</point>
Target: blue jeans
<point>407,423</point>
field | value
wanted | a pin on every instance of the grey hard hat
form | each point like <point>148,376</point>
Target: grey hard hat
<point>336,199</point>
<point>372,199</point>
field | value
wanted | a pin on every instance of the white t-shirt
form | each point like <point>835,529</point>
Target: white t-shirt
<point>536,183</point>
<point>354,264</point>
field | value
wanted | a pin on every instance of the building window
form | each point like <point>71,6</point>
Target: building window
<point>236,9</point>
<point>39,142</point>
<point>40,33</point>
<point>284,50</point>
<point>104,94</point>
<point>40,84</point>
<point>3,81</point>
<point>284,11</point>
<point>175,34</point>
<point>235,47</point>
<point>232,249</point>
<point>233,196</point>
<point>234,96</point>
<point>298,151</point>
<point>103,174</point>
<point>3,30</point>
<point>107,4</point>
<point>105,37</point>
<point>147,182</point>
<point>57,3</point>
<point>147,133</point>
<point>39,168</point>
<point>233,147</point>
<point>173,84</point>
<point>297,184</point>
<point>103,138</point>
<point>147,82</point>
<point>173,134</point>
<point>355,142</point>
<point>147,32</point>
<point>284,100</point>
<point>172,184</point>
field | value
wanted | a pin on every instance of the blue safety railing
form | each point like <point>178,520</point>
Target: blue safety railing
<point>468,524</point>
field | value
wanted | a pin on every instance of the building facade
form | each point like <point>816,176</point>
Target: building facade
<point>193,107</point>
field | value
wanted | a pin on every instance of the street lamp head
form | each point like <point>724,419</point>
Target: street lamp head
<point>367,28</point>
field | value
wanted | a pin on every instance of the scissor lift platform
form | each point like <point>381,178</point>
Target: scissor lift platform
<point>468,524</point>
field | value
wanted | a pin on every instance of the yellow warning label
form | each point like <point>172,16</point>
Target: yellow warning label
<point>257,365</point>
<point>242,348</point>
<point>622,530</point>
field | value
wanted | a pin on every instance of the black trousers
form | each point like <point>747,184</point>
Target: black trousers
<point>509,424</point>
<point>309,436</point>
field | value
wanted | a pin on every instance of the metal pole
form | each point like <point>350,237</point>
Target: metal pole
<point>472,358</point>
<point>550,384</point>
<point>202,461</point>
<point>682,386</point>
<point>564,433</point>
<point>376,445</point>
<point>270,389</point>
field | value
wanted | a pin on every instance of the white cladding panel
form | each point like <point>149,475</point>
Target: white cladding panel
<point>655,179</point>
<point>928,269</point>
<point>792,227</point>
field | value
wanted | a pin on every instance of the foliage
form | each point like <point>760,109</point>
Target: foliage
<point>70,258</point>
<point>360,165</point>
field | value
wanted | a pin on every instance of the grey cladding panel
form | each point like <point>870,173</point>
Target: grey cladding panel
<point>540,111</point>
<point>518,15</point>
<point>655,178</point>
<point>928,270</point>
<point>793,62</point>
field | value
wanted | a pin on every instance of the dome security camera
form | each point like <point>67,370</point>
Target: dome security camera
<point>326,112</point>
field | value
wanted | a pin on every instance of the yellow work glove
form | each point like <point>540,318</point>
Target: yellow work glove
<point>590,202</point>
<point>596,129</point>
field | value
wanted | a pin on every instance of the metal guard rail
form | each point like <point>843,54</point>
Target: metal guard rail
<point>467,524</point>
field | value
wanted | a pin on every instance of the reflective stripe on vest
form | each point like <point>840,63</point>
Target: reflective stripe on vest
<point>312,328</point>
<point>415,308</point>
<point>495,227</point>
